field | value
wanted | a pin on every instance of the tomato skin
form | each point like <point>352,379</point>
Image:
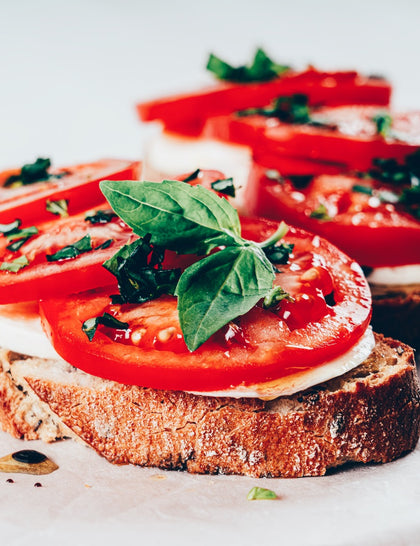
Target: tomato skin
<point>186,114</point>
<point>352,145</point>
<point>261,347</point>
<point>377,236</point>
<point>80,188</point>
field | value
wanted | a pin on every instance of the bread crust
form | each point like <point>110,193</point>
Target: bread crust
<point>396,313</point>
<point>371,414</point>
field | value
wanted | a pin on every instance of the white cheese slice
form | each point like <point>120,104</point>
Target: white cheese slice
<point>401,275</point>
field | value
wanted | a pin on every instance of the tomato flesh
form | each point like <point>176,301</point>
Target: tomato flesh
<point>352,142</point>
<point>79,186</point>
<point>262,345</point>
<point>375,234</point>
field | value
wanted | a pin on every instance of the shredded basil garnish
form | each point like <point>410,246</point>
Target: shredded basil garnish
<point>224,186</point>
<point>72,251</point>
<point>15,265</point>
<point>19,236</point>
<point>5,229</point>
<point>259,493</point>
<point>90,326</point>
<point>321,213</point>
<point>59,208</point>
<point>191,176</point>
<point>30,173</point>
<point>103,216</point>
<point>261,69</point>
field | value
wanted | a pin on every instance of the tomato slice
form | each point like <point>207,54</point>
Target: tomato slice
<point>352,141</point>
<point>79,185</point>
<point>42,278</point>
<point>330,314</point>
<point>186,113</point>
<point>374,233</point>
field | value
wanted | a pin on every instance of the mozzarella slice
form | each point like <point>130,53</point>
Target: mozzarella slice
<point>401,275</point>
<point>168,155</point>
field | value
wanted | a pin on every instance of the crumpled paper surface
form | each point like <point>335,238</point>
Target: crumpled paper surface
<point>90,501</point>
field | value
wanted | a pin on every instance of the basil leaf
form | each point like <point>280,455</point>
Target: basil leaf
<point>100,216</point>
<point>259,493</point>
<point>180,217</point>
<point>219,288</point>
<point>15,265</point>
<point>362,189</point>
<point>90,326</point>
<point>72,251</point>
<point>10,228</point>
<point>191,176</point>
<point>289,109</point>
<point>225,186</point>
<point>279,254</point>
<point>59,208</point>
<point>261,69</point>
<point>137,267</point>
<point>22,233</point>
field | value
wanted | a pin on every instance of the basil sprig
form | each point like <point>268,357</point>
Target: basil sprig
<point>261,69</point>
<point>192,220</point>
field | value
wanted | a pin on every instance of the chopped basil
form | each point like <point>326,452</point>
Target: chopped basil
<point>30,173</point>
<point>89,326</point>
<point>191,176</point>
<point>105,244</point>
<point>383,122</point>
<point>19,237</point>
<point>358,188</point>
<point>100,216</point>
<point>261,69</point>
<point>138,269</point>
<point>321,213</point>
<point>276,295</point>
<point>279,254</point>
<point>72,251</point>
<point>301,181</point>
<point>10,228</point>
<point>15,265</point>
<point>225,186</point>
<point>59,208</point>
<point>259,493</point>
<point>190,220</point>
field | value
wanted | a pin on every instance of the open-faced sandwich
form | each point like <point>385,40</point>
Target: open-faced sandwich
<point>206,342</point>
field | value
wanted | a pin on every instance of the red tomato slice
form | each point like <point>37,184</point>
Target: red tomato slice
<point>41,278</point>
<point>375,234</point>
<point>354,143</point>
<point>79,185</point>
<point>187,113</point>
<point>260,346</point>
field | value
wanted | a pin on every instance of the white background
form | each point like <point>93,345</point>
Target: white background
<point>70,75</point>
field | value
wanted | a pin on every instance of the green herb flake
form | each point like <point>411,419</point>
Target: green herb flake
<point>72,251</point>
<point>105,244</point>
<point>30,173</point>
<point>195,174</point>
<point>275,296</point>
<point>383,122</point>
<point>224,186</point>
<point>358,188</point>
<point>15,265</point>
<point>59,208</point>
<point>259,493</point>
<point>321,213</point>
<point>5,229</point>
<point>19,237</point>
<point>103,216</point>
<point>90,326</point>
<point>261,69</point>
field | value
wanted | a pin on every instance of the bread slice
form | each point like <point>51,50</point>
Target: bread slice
<point>396,312</point>
<point>370,414</point>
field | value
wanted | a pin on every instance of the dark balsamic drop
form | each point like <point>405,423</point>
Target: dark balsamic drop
<point>29,456</point>
<point>37,484</point>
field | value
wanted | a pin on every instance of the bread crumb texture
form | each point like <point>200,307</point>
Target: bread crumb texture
<point>370,414</point>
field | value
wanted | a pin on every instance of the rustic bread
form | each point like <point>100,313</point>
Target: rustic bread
<point>370,414</point>
<point>396,312</point>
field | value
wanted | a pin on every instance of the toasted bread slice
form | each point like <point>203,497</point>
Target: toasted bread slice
<point>370,414</point>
